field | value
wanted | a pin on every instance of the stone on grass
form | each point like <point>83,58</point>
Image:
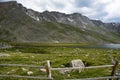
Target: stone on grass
<point>77,63</point>
<point>4,55</point>
<point>29,73</point>
<point>74,63</point>
<point>43,70</point>
<point>24,69</point>
<point>64,71</point>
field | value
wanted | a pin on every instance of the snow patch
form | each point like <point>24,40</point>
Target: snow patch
<point>113,24</point>
<point>83,29</point>
<point>84,26</point>
<point>56,41</point>
<point>71,20</point>
<point>37,18</point>
<point>34,17</point>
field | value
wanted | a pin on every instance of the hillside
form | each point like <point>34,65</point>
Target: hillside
<point>19,24</point>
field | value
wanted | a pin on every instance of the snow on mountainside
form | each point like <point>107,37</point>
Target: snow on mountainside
<point>18,23</point>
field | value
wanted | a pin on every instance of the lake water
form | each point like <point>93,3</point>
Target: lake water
<point>109,46</point>
<point>104,46</point>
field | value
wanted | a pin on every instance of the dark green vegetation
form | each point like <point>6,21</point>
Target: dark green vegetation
<point>59,57</point>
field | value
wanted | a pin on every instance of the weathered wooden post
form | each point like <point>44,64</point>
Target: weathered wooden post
<point>48,70</point>
<point>114,69</point>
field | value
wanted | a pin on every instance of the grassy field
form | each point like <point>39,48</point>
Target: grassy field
<point>59,57</point>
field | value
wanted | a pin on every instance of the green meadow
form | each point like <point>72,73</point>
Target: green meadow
<point>60,55</point>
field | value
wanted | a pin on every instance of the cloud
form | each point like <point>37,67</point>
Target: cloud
<point>83,3</point>
<point>113,11</point>
<point>6,0</point>
<point>105,10</point>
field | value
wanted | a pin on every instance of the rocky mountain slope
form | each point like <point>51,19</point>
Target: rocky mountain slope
<point>20,24</point>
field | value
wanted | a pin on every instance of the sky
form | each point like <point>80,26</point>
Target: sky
<point>105,10</point>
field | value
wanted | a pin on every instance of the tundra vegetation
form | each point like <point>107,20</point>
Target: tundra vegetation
<point>59,55</point>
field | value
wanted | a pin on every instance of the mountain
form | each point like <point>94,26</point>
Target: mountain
<point>19,24</point>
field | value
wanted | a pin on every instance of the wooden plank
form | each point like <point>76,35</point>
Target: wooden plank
<point>114,69</point>
<point>20,65</point>
<point>29,77</point>
<point>98,78</point>
<point>73,68</point>
<point>48,70</point>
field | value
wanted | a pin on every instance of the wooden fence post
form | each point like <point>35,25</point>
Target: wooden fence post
<point>48,70</point>
<point>114,69</point>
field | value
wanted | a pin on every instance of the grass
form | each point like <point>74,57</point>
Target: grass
<point>59,57</point>
<point>34,44</point>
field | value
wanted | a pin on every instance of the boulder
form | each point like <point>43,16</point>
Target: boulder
<point>74,63</point>
<point>77,63</point>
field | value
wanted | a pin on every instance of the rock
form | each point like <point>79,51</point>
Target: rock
<point>64,71</point>
<point>33,56</point>
<point>43,70</point>
<point>77,63</point>
<point>24,69</point>
<point>4,55</point>
<point>68,75</point>
<point>11,72</point>
<point>74,63</point>
<point>29,73</point>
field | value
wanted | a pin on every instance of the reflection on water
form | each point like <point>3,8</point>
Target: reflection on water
<point>109,46</point>
<point>112,46</point>
<point>106,46</point>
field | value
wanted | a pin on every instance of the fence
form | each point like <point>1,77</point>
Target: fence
<point>113,76</point>
<point>99,78</point>
<point>49,69</point>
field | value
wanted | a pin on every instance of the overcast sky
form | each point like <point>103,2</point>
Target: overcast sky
<point>105,10</point>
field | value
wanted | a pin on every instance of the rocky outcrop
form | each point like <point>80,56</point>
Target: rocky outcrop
<point>20,24</point>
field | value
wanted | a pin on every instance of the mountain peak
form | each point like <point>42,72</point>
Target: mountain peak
<point>10,3</point>
<point>18,23</point>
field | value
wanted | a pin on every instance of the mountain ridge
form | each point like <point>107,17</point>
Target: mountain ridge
<point>20,24</point>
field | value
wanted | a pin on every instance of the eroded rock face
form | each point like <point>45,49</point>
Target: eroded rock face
<point>20,24</point>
